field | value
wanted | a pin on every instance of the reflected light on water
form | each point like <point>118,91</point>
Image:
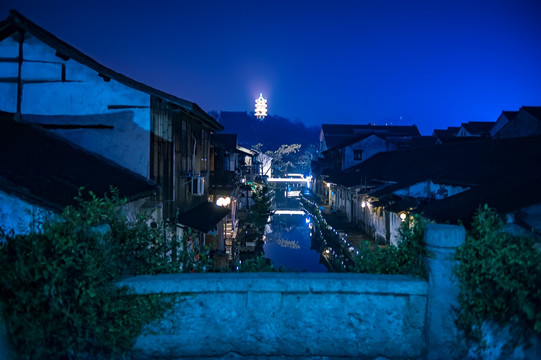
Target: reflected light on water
<point>289,212</point>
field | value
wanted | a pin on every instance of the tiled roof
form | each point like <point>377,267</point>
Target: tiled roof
<point>203,217</point>
<point>460,139</point>
<point>15,21</point>
<point>478,127</point>
<point>510,114</point>
<point>533,110</point>
<point>346,129</point>
<point>336,134</point>
<point>44,169</point>
<point>451,131</point>
<point>504,173</point>
<point>423,141</point>
<point>227,141</point>
<point>352,140</point>
<point>502,194</point>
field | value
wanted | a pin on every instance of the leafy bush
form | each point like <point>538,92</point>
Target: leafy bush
<point>257,264</point>
<point>193,256</point>
<point>58,285</point>
<point>500,278</point>
<point>406,258</point>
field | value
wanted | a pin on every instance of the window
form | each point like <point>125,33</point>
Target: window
<point>198,186</point>
<point>357,154</point>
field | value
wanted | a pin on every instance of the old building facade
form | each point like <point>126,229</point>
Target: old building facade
<point>158,136</point>
<point>161,137</point>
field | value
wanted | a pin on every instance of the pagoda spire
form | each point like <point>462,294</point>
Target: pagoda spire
<point>260,107</point>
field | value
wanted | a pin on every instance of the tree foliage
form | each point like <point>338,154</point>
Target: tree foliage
<point>261,209</point>
<point>304,161</point>
<point>282,158</point>
<point>58,285</point>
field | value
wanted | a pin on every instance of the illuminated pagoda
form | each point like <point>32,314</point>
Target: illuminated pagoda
<point>260,107</point>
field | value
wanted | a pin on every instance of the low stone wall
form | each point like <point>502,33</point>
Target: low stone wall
<point>290,315</point>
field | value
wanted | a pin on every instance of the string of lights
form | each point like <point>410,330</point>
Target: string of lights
<point>345,252</point>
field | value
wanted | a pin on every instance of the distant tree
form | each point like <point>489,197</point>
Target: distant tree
<point>257,147</point>
<point>304,160</point>
<point>282,158</point>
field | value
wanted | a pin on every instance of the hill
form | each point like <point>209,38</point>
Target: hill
<point>272,131</point>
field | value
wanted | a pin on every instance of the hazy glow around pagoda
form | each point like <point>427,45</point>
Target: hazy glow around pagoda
<point>260,107</point>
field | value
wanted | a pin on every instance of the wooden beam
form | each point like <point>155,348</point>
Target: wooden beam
<point>19,75</point>
<point>75,126</point>
<point>120,107</point>
<point>62,56</point>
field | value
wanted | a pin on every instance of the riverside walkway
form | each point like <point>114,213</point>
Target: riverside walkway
<point>338,220</point>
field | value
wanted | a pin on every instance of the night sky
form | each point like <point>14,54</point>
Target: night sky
<point>430,63</point>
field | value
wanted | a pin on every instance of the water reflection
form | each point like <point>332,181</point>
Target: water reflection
<point>288,243</point>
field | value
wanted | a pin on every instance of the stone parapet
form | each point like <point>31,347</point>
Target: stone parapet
<point>286,314</point>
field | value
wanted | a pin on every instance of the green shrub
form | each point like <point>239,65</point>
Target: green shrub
<point>406,258</point>
<point>257,264</point>
<point>500,278</point>
<point>58,285</point>
<point>193,256</point>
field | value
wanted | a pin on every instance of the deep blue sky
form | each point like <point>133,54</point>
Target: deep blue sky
<point>431,63</point>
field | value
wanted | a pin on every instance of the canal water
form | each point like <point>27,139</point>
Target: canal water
<point>288,237</point>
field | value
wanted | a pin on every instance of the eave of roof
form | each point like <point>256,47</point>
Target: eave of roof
<point>354,140</point>
<point>17,21</point>
<point>510,115</point>
<point>44,169</point>
<point>203,217</point>
<point>451,131</point>
<point>226,141</point>
<point>337,135</point>
<point>478,127</point>
<point>245,150</point>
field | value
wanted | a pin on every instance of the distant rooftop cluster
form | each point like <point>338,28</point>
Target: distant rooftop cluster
<point>378,175</point>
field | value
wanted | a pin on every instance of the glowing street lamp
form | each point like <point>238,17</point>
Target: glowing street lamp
<point>260,107</point>
<point>223,201</point>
